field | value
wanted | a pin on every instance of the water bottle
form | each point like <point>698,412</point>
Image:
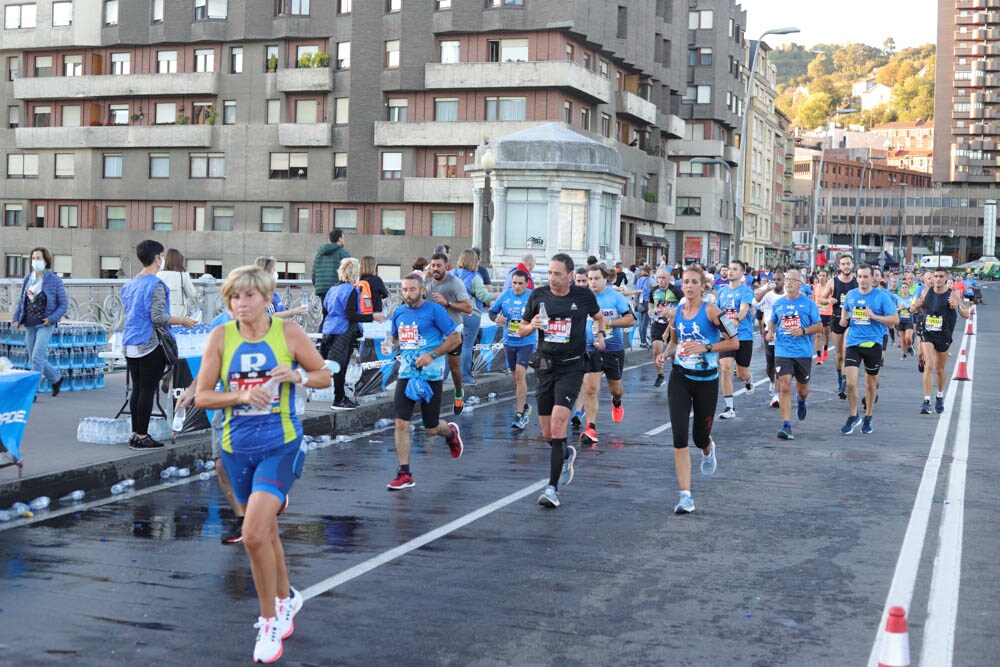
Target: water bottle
<point>473,400</point>
<point>343,438</point>
<point>40,503</point>
<point>205,476</point>
<point>305,300</point>
<point>73,497</point>
<point>382,423</point>
<point>20,509</point>
<point>209,465</point>
<point>6,515</point>
<point>183,472</point>
<point>179,414</point>
<point>544,314</point>
<point>323,440</point>
<point>492,396</point>
<point>129,483</point>
<point>199,465</point>
<point>167,473</point>
<point>332,366</point>
<point>118,489</point>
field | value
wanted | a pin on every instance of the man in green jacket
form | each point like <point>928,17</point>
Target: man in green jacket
<point>327,263</point>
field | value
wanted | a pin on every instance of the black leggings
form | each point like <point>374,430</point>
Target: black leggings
<point>339,348</point>
<point>683,393</point>
<point>145,374</point>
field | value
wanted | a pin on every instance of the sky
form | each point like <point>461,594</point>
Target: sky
<point>908,22</point>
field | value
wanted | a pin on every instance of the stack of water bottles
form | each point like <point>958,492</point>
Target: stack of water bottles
<point>107,431</point>
<point>74,350</point>
<point>191,342</point>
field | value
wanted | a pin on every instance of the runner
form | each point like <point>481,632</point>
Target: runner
<point>904,305</point>
<point>868,312</point>
<point>939,306</point>
<point>261,360</point>
<point>763,302</point>
<point>506,311</point>
<point>424,333</point>
<point>698,333</point>
<point>793,322</point>
<point>611,360</point>
<point>926,283</point>
<point>735,300</point>
<point>448,291</point>
<point>580,279</point>
<point>837,289</point>
<point>825,304</point>
<point>664,301</point>
<point>558,312</point>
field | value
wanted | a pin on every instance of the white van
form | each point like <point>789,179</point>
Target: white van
<point>937,262</point>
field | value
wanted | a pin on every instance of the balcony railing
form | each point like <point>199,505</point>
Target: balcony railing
<point>124,85</point>
<point>115,136</point>
<point>302,134</point>
<point>635,107</point>
<point>305,80</point>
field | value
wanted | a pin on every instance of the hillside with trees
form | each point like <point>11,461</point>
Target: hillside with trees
<point>812,83</point>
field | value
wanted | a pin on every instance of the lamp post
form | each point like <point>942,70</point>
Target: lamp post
<point>902,217</point>
<point>857,208</point>
<point>734,252</point>
<point>488,162</point>
<point>795,200</point>
<point>819,181</point>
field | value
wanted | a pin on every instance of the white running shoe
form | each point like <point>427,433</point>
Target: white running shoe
<point>749,385</point>
<point>728,413</point>
<point>286,609</point>
<point>775,400</point>
<point>268,647</point>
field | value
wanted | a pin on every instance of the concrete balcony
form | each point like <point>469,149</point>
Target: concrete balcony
<point>304,134</point>
<point>116,136</point>
<point>731,154</point>
<point>305,80</point>
<point>125,85</point>
<point>540,74</point>
<point>445,133</point>
<point>697,148</point>
<point>633,106</point>
<point>438,190</point>
<point>673,125</point>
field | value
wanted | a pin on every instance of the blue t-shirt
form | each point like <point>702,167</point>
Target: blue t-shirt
<point>704,366</point>
<point>730,300</point>
<point>613,305</point>
<point>862,329</point>
<point>511,306</point>
<point>420,330</point>
<point>789,315</point>
<point>221,318</point>
<point>276,306</point>
<point>903,306</point>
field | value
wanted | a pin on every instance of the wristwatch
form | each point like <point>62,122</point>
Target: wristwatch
<point>434,354</point>
<point>708,347</point>
<point>303,376</point>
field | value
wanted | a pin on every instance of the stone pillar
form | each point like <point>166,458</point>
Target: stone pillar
<point>617,243</point>
<point>594,222</point>
<point>477,217</point>
<point>552,242</point>
<point>499,241</point>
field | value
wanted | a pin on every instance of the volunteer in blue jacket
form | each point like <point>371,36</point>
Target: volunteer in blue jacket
<point>42,304</point>
<point>468,272</point>
<point>506,311</point>
<point>147,307</point>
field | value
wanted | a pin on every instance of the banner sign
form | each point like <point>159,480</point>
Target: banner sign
<point>17,394</point>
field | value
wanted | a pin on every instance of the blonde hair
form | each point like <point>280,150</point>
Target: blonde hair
<point>245,277</point>
<point>350,270</point>
<point>266,263</point>
<point>468,260</point>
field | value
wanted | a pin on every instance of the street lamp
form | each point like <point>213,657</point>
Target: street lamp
<point>902,217</point>
<point>795,200</point>
<point>857,208</point>
<point>488,162</point>
<point>819,180</point>
<point>734,252</point>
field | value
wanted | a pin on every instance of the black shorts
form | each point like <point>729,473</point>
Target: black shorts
<point>611,362</point>
<point>559,386</point>
<point>904,326</point>
<point>658,330</point>
<point>835,325</point>
<point>518,356</point>
<point>800,367</point>
<point>743,354</point>
<point>871,356</point>
<point>403,405</point>
<point>457,352</point>
<point>940,342</point>
<point>827,319</point>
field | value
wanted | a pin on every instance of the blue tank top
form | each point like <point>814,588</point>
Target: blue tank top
<point>704,366</point>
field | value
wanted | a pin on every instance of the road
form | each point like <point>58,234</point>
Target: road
<point>794,553</point>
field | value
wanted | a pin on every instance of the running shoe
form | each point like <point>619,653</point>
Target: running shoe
<point>749,385</point>
<point>404,480</point>
<point>658,382</point>
<point>939,404</point>
<point>519,421</point>
<point>549,497</point>
<point>785,433</point>
<point>235,533</point>
<point>819,359</point>
<point>268,646</point>
<point>826,354</point>
<point>920,365</point>
<point>802,410</point>
<point>849,426</point>
<point>686,504</point>
<point>771,389</point>
<point>708,461</point>
<point>459,405</point>
<point>577,418</point>
<point>925,408</point>
<point>842,389</point>
<point>589,436</point>
<point>345,404</point>
<point>728,413</point>
<point>143,444</point>
<point>866,425</point>
<point>567,470</point>
<point>617,413</point>
<point>286,608</point>
<point>775,401</point>
<point>455,443</point>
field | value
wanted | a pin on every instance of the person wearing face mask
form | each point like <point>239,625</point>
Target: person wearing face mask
<point>276,308</point>
<point>42,304</point>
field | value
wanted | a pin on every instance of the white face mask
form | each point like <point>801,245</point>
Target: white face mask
<point>38,264</point>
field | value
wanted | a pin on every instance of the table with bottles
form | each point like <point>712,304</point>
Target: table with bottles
<point>74,350</point>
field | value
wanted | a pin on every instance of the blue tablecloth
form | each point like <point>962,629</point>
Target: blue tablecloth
<point>17,394</point>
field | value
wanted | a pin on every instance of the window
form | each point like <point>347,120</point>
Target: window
<point>586,60</point>
<point>445,109</point>
<point>272,219</point>
<point>166,62</point>
<point>394,222</point>
<point>71,116</point>
<point>567,112</point>
<point>341,110</point>
<point>121,63</point>
<point>393,5</point>
<point>605,70</point>
<point>689,206</point>
<point>210,9</point>
<point>392,53</point>
<point>307,51</point>
<point>306,111</point>
<point>513,49</point>
<point>236,60</point>
<point>289,165</point>
<point>585,118</point>
<point>73,65</point>
<point>273,112</point>
<point>392,166</point>
<point>700,20</point>
<point>157,11</point>
<point>62,14</point>
<point>163,218</point>
<point>442,4</point>
<point>19,16</point>
<point>605,125</point>
<point>442,223</point>
<point>13,216</point>
<point>343,55</point>
<point>622,32</point>
<point>228,112</point>
<point>204,60</point>
<point>112,166</point>
<point>451,51</point>
<point>527,217</point>
<point>569,52</point>
<point>65,165</point>
<point>23,165</point>
<point>705,55</point>
<point>201,112</point>
<point>159,165</point>
<point>110,12</point>
<point>397,110</point>
<point>39,216</point>
<point>208,165</point>
<point>13,117</point>
<point>43,66</point>
<point>506,108</point>
<point>446,166</point>
<point>339,166</point>
<point>68,217</point>
<point>573,219</point>
<point>504,3</point>
<point>344,6</point>
<point>606,232</point>
<point>166,113</point>
<point>13,67</point>
<point>118,114</point>
<point>291,7</point>
<point>704,95</point>
<point>222,219</point>
<point>345,218</point>
<point>115,215</point>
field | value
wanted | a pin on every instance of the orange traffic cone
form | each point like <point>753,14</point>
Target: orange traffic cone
<point>896,641</point>
<point>963,370</point>
<point>969,331</point>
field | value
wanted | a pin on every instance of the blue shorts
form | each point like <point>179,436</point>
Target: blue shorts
<point>273,471</point>
<point>518,356</point>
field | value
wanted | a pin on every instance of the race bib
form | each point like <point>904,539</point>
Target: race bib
<point>558,331</point>
<point>858,316</point>
<point>790,322</point>
<point>409,337</point>
<point>608,316</point>
<point>513,326</point>
<point>933,323</point>
<point>689,360</point>
<point>904,313</point>
<point>244,381</point>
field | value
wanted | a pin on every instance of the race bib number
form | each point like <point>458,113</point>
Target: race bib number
<point>933,323</point>
<point>409,337</point>
<point>247,381</point>
<point>689,360</point>
<point>608,316</point>
<point>790,322</point>
<point>513,326</point>
<point>858,316</point>
<point>558,331</point>
<point>904,313</point>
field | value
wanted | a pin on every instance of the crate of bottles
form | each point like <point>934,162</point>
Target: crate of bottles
<point>74,350</point>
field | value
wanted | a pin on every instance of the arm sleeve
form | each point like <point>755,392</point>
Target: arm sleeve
<point>158,306</point>
<point>351,309</point>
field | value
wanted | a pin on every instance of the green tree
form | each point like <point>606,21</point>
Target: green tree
<point>821,65</point>
<point>815,110</point>
<point>889,47</point>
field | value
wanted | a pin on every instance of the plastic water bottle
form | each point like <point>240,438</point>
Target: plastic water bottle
<point>323,440</point>
<point>167,473</point>
<point>205,476</point>
<point>183,472</point>
<point>492,396</point>
<point>129,483</point>
<point>179,414</point>
<point>6,515</point>
<point>332,366</point>
<point>118,489</point>
<point>20,509</point>
<point>40,503</point>
<point>209,465</point>
<point>305,300</point>
<point>73,497</point>
<point>343,438</point>
<point>382,423</point>
<point>473,400</point>
<point>544,314</point>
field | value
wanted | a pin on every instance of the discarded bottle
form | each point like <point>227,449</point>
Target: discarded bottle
<point>167,473</point>
<point>322,440</point>
<point>544,314</point>
<point>473,400</point>
<point>39,503</point>
<point>209,465</point>
<point>332,366</point>
<point>199,464</point>
<point>179,415</point>
<point>20,509</point>
<point>343,438</point>
<point>183,472</point>
<point>6,515</point>
<point>118,489</point>
<point>205,476</point>
<point>73,497</point>
<point>492,396</point>
<point>383,423</point>
<point>129,483</point>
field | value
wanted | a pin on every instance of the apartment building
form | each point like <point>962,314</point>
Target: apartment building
<point>233,129</point>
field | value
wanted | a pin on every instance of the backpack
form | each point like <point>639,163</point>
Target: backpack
<point>365,306</point>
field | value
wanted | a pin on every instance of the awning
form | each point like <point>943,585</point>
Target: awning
<point>649,241</point>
